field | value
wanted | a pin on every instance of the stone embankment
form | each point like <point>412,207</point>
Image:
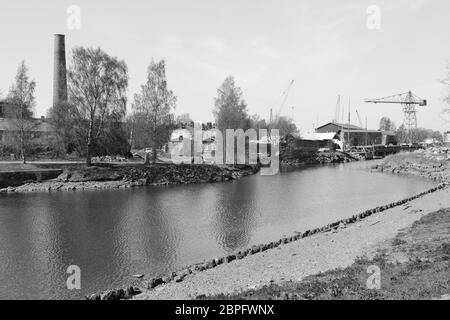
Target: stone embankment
<point>179,276</point>
<point>322,157</point>
<point>128,176</point>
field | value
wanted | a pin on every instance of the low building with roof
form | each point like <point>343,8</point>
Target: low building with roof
<point>356,136</point>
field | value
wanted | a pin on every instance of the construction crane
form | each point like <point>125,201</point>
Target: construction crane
<point>283,102</point>
<point>409,103</point>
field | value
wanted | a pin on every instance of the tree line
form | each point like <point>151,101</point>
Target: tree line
<point>94,121</point>
<point>402,134</point>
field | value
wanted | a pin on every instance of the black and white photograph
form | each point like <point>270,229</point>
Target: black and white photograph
<point>225,159</point>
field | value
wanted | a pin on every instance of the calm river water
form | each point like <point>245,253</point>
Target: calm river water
<point>114,234</point>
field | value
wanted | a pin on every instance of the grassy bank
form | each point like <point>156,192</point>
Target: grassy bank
<point>416,265</point>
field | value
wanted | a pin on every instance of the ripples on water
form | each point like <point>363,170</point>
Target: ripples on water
<point>116,233</point>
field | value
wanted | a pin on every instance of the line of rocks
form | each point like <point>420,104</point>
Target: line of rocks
<point>116,294</point>
<point>180,275</point>
<point>324,157</point>
<point>98,178</point>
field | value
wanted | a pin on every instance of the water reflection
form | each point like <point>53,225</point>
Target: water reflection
<point>235,213</point>
<point>114,234</point>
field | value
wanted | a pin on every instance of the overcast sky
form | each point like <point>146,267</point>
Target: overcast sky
<point>325,46</point>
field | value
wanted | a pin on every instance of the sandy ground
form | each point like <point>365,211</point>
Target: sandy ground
<point>308,256</point>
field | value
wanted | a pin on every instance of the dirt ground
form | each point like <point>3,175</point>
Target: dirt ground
<point>414,265</point>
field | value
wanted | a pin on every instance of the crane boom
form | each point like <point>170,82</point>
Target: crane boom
<point>285,95</point>
<point>407,98</point>
<point>409,103</point>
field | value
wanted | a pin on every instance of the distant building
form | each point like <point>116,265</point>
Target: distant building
<point>40,129</point>
<point>335,127</point>
<point>356,136</point>
<point>6,110</point>
<point>332,138</point>
<point>179,137</point>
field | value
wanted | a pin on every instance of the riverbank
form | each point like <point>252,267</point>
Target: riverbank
<point>411,266</point>
<point>333,259</point>
<point>80,177</point>
<point>432,163</point>
<point>311,158</point>
<point>293,261</point>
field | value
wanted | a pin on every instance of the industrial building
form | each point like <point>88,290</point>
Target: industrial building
<point>357,136</point>
<point>38,129</point>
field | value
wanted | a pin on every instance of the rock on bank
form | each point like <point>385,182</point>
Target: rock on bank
<point>127,176</point>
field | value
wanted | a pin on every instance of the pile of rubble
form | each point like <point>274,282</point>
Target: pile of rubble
<point>108,159</point>
<point>435,153</point>
<point>432,163</point>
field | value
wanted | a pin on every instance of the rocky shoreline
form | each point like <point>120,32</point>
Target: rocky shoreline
<point>404,164</point>
<point>325,157</point>
<point>130,176</point>
<point>179,276</point>
<point>433,163</point>
<point>311,255</point>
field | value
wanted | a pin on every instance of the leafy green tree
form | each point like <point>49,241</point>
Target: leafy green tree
<point>153,107</point>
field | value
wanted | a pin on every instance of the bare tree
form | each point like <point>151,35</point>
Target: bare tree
<point>154,105</point>
<point>21,97</point>
<point>97,86</point>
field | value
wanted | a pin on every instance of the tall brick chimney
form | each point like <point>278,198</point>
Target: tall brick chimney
<point>59,71</point>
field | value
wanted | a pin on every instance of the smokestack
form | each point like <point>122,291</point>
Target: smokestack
<point>59,71</point>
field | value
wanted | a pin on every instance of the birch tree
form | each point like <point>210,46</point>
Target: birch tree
<point>97,85</point>
<point>21,96</point>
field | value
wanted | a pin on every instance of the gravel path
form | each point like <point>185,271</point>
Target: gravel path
<point>311,255</point>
